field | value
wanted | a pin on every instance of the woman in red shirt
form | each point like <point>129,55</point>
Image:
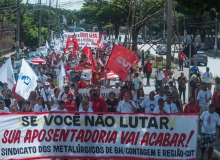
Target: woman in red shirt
<point>148,64</point>
<point>216,100</point>
<point>191,107</point>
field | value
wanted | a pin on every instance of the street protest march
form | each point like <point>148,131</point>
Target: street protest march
<point>98,135</point>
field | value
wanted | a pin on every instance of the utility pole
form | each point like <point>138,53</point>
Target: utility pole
<point>216,35</point>
<point>164,24</point>
<point>169,32</point>
<point>49,20</point>
<point>39,29</point>
<point>18,29</point>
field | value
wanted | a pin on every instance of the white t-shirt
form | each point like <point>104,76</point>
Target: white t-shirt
<point>89,106</point>
<point>141,75</point>
<point>157,97</point>
<point>209,122</point>
<point>207,76</point>
<point>89,110</point>
<point>38,108</point>
<point>138,101</point>
<point>64,97</point>
<point>5,110</point>
<point>159,75</point>
<point>55,102</point>
<point>45,93</point>
<point>165,108</point>
<point>42,79</point>
<point>203,96</point>
<point>58,110</point>
<point>173,107</point>
<point>149,105</point>
<point>125,107</point>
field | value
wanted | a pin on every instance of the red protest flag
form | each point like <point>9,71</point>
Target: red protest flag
<point>75,42</point>
<point>74,52</point>
<point>121,60</point>
<point>68,43</point>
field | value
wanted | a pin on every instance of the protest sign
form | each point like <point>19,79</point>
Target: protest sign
<point>91,136</point>
<point>104,93</point>
<point>84,92</point>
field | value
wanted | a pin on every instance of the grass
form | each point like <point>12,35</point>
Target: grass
<point>160,64</point>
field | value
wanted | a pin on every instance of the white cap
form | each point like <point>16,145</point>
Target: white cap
<point>170,80</point>
<point>82,77</point>
<point>117,82</point>
<point>46,83</point>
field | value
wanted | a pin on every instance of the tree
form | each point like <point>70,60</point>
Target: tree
<point>138,13</point>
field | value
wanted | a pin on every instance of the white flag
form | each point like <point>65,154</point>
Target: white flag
<point>7,74</point>
<point>47,46</point>
<point>27,80</point>
<point>61,77</point>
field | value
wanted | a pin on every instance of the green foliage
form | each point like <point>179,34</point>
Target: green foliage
<point>159,64</point>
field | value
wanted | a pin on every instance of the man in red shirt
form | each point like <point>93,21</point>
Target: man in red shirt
<point>95,77</point>
<point>70,104</point>
<point>82,83</point>
<point>86,63</point>
<point>16,96</point>
<point>191,107</point>
<point>48,62</point>
<point>98,103</point>
<point>148,64</point>
<point>121,94</point>
<point>182,57</point>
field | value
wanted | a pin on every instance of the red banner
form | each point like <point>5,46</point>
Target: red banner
<point>75,42</point>
<point>68,43</point>
<point>121,60</point>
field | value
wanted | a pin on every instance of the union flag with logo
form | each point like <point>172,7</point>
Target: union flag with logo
<point>121,61</point>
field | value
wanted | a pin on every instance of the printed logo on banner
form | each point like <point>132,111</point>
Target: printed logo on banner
<point>123,62</point>
<point>26,79</point>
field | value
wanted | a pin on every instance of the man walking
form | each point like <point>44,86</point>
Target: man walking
<point>210,120</point>
<point>159,76</point>
<point>182,57</point>
<point>207,76</point>
<point>203,98</point>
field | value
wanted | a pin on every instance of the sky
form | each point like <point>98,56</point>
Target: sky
<point>67,4</point>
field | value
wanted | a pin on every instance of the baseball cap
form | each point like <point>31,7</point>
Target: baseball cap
<point>170,80</point>
<point>69,95</point>
<point>82,77</point>
<point>117,82</point>
<point>46,83</point>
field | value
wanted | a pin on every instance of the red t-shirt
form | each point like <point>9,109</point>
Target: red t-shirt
<point>18,97</point>
<point>181,56</point>
<point>82,84</point>
<point>188,109</point>
<point>86,63</point>
<point>216,101</point>
<point>70,106</point>
<point>122,95</point>
<point>48,63</point>
<point>149,66</point>
<point>96,76</point>
<point>99,105</point>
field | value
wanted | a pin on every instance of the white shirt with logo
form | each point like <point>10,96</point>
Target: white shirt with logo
<point>203,96</point>
<point>64,97</point>
<point>138,101</point>
<point>5,110</point>
<point>38,108</point>
<point>55,102</point>
<point>89,110</point>
<point>209,122</point>
<point>172,106</point>
<point>58,110</point>
<point>149,105</point>
<point>157,97</point>
<point>125,107</point>
<point>165,108</point>
<point>207,76</point>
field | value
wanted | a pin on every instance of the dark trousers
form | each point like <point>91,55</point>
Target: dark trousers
<point>181,65</point>
<point>148,76</point>
<point>20,104</point>
<point>7,102</point>
<point>183,91</point>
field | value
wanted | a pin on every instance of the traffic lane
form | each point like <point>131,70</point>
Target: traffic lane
<point>214,66</point>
